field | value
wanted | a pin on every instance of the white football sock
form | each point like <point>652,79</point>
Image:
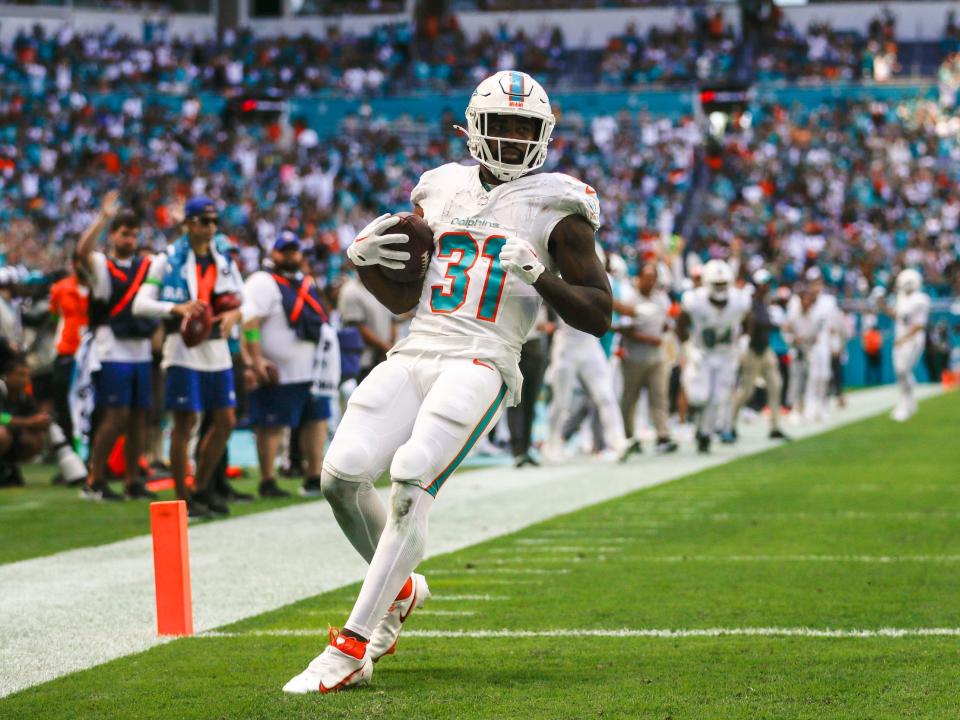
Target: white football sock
<point>358,509</point>
<point>400,550</point>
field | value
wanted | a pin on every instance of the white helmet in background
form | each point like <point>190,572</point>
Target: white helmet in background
<point>509,92</point>
<point>717,278</point>
<point>909,281</point>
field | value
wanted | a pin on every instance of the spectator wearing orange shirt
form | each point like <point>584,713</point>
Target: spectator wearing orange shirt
<point>69,302</point>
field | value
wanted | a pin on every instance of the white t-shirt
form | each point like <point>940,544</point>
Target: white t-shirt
<point>358,306</point>
<point>293,356</point>
<point>108,347</point>
<point>469,306</point>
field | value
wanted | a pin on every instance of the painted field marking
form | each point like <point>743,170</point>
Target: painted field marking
<point>556,549</point>
<point>504,571</point>
<point>452,613</point>
<point>844,515</point>
<point>478,598</point>
<point>881,559</point>
<point>550,541</point>
<point>669,633</point>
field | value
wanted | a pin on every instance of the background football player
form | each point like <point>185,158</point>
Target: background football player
<point>911,311</point>
<point>709,324</point>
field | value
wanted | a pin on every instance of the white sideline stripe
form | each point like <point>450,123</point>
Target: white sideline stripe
<point>451,613</point>
<point>501,571</point>
<point>555,549</point>
<point>550,541</point>
<point>458,598</point>
<point>844,515</point>
<point>629,633</point>
<point>79,608</point>
<point>881,559</point>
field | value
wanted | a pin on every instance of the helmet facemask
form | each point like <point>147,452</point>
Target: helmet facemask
<point>486,148</point>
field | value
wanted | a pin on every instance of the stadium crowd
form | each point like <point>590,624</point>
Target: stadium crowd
<point>825,200</point>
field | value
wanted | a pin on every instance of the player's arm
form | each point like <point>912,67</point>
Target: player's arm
<point>582,296</point>
<point>88,240</point>
<point>147,303</point>
<point>683,326</point>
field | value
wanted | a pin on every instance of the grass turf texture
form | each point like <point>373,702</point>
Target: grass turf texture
<point>870,489</point>
<point>42,519</point>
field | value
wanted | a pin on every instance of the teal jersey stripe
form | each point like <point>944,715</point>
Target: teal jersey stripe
<point>435,486</point>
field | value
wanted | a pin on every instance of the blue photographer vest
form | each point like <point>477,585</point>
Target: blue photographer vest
<point>117,310</point>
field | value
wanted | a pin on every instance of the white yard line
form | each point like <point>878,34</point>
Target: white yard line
<point>80,608</point>
<point>669,633</point>
<point>879,559</point>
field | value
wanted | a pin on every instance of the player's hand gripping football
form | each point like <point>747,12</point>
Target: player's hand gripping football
<point>369,247</point>
<point>517,256</point>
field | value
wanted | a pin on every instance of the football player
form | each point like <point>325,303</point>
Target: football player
<point>812,320</point>
<point>710,321</point>
<point>505,239</point>
<point>911,310</point>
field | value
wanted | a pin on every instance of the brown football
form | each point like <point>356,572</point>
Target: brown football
<point>195,328</point>
<point>224,302</point>
<point>420,248</point>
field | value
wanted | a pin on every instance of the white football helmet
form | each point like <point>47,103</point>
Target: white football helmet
<point>717,278</point>
<point>909,281</point>
<point>509,92</point>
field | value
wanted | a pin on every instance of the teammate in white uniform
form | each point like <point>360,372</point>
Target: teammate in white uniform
<point>812,320</point>
<point>501,238</point>
<point>709,324</point>
<point>911,312</point>
<point>576,358</point>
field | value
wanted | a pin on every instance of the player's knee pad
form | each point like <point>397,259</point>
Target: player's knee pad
<point>337,490</point>
<point>347,460</point>
<point>412,463</point>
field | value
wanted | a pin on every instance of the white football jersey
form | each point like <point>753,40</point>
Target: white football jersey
<point>715,328</point>
<point>815,326</point>
<point>912,309</point>
<point>470,306</point>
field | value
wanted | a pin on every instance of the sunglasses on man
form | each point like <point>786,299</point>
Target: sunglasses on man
<point>206,220</point>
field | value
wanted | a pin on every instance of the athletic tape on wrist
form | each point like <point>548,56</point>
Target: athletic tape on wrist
<point>252,334</point>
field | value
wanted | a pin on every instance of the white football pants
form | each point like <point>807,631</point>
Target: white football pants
<point>709,380</point>
<point>905,357</point>
<point>584,363</point>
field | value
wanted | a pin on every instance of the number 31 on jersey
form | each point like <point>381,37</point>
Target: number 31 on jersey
<point>463,252</point>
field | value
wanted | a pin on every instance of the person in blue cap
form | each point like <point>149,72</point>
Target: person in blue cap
<point>283,320</point>
<point>192,272</point>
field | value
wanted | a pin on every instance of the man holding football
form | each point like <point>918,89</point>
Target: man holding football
<point>503,239</point>
<point>187,284</point>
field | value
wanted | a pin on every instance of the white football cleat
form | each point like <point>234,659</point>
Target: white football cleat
<point>345,663</point>
<point>383,641</point>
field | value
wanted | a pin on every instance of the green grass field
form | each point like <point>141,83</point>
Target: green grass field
<point>41,519</point>
<point>855,529</point>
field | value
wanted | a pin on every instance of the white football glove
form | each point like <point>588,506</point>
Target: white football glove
<point>517,256</point>
<point>368,247</point>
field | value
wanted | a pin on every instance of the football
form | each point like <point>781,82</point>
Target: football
<point>225,302</point>
<point>420,248</point>
<point>196,327</point>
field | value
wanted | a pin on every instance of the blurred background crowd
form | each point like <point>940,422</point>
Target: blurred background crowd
<point>855,188</point>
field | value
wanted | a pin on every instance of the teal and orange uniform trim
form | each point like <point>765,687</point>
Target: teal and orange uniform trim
<point>434,487</point>
<point>517,90</point>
